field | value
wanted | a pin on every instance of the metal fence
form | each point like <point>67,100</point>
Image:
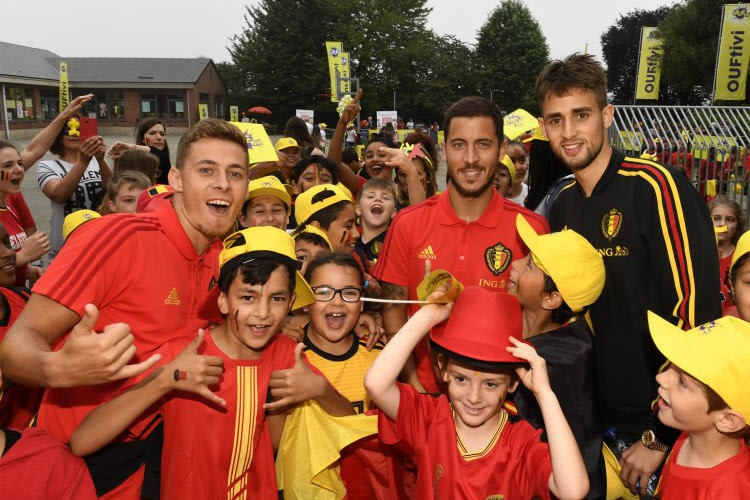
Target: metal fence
<point>711,145</point>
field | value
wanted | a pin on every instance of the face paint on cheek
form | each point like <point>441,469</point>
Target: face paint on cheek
<point>345,236</point>
<point>4,175</point>
<point>236,321</point>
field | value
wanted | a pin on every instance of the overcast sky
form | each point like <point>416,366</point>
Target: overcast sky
<point>189,28</point>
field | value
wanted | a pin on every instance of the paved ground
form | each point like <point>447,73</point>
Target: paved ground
<point>40,204</point>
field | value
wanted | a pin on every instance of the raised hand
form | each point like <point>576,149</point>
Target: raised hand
<point>193,372</point>
<point>534,378</point>
<point>75,106</point>
<point>352,110</point>
<point>91,358</point>
<point>91,147</point>
<point>399,159</point>
<point>294,385</point>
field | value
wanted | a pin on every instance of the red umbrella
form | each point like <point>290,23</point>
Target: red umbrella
<point>260,110</point>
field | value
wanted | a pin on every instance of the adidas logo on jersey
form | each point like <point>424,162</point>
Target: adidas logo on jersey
<point>427,253</point>
<point>172,299</point>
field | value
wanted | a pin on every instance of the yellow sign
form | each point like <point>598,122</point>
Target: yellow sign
<point>632,141</point>
<point>64,89</point>
<point>731,65</point>
<point>649,67</point>
<point>234,113</point>
<point>334,50</point>
<point>722,145</point>
<point>344,72</point>
<point>259,145</point>
<point>518,122</point>
<point>202,111</point>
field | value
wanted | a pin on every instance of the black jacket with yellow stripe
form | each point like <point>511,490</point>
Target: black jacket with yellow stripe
<point>656,236</point>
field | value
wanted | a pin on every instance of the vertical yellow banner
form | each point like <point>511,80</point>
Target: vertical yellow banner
<point>202,112</point>
<point>234,113</point>
<point>732,61</point>
<point>64,89</point>
<point>649,65</point>
<point>334,49</point>
<point>344,71</point>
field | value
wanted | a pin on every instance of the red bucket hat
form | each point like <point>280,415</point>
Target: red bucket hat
<point>478,328</point>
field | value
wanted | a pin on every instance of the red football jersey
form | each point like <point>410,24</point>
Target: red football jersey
<point>477,253</point>
<point>515,466</point>
<point>729,479</point>
<point>11,219</point>
<point>140,269</point>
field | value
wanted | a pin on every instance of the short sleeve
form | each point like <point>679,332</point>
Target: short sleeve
<point>45,172</point>
<point>534,462</point>
<point>415,414</point>
<point>393,265</point>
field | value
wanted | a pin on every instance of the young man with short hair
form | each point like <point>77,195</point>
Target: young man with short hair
<point>469,229</point>
<point>153,274</point>
<point>659,251</point>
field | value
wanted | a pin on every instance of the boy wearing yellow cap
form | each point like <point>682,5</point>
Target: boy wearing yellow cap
<point>705,394</point>
<point>556,283</point>
<point>218,440</point>
<point>268,204</point>
<point>327,207</point>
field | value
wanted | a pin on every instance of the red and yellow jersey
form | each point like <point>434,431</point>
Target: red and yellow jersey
<point>477,253</point>
<point>516,464</point>
<point>215,452</point>
<point>140,269</point>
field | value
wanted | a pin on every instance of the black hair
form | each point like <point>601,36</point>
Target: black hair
<point>337,258</point>
<point>257,272</point>
<point>380,138</point>
<point>313,239</point>
<point>474,107</point>
<point>321,161</point>
<point>326,216</point>
<point>731,276</point>
<point>56,148</point>
<point>349,155</point>
<point>296,128</point>
<point>563,313</point>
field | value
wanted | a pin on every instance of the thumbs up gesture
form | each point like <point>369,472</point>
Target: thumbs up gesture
<point>91,358</point>
<point>193,372</point>
<point>295,385</point>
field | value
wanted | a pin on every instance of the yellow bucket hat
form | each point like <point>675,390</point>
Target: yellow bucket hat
<point>715,353</point>
<point>568,258</point>
<point>74,220</point>
<point>271,186</point>
<point>316,199</point>
<point>264,242</point>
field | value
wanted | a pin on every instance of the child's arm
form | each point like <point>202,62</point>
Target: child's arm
<point>105,423</point>
<point>569,479</point>
<point>401,161</point>
<point>346,176</point>
<point>299,383</point>
<point>380,379</point>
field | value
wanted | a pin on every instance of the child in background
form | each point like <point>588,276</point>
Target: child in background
<point>139,161</point>
<point>268,204</point>
<point>313,171</point>
<point>218,441</point>
<point>423,155</point>
<point>726,213</point>
<point>123,190</point>
<point>506,172</point>
<point>555,284</point>
<point>738,280</point>
<point>330,342</point>
<point>464,445</point>
<point>350,157</point>
<point>330,210</point>
<point>73,221</point>
<point>376,208</point>
<point>705,394</point>
<point>308,243</point>
<point>519,189</point>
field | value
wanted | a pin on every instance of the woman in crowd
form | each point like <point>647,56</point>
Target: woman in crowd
<point>150,137</point>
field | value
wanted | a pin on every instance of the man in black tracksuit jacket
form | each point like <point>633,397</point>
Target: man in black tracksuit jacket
<point>659,249</point>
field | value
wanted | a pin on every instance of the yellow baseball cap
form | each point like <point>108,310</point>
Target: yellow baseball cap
<point>73,220</point>
<point>743,247</point>
<point>568,258</point>
<point>536,135</point>
<point>286,142</point>
<point>264,242</point>
<point>269,185</point>
<point>508,163</point>
<point>316,199</point>
<point>317,231</point>
<point>715,353</point>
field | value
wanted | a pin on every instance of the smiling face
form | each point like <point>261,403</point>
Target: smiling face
<point>520,162</point>
<point>209,189</point>
<point>7,259</point>
<point>683,404</point>
<point>472,152</point>
<point>377,207</point>
<point>476,396</point>
<point>11,170</point>
<point>255,312</point>
<point>333,321</point>
<point>576,127</point>
<point>342,233</point>
<point>156,136</point>
<point>375,161</point>
<point>288,157</point>
<point>265,210</point>
<point>526,282</point>
<point>313,175</point>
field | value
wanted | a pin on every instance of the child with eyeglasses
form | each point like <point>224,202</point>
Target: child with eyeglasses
<point>331,345</point>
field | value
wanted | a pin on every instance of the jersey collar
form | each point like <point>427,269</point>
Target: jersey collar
<point>611,171</point>
<point>490,218</point>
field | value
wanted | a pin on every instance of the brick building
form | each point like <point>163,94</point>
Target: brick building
<point>125,90</point>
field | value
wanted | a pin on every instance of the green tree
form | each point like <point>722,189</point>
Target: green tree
<point>511,51</point>
<point>620,45</point>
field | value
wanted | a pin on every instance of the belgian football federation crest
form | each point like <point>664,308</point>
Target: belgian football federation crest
<point>611,223</point>
<point>498,258</point>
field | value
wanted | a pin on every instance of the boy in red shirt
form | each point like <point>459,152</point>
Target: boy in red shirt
<point>464,445</point>
<point>705,394</point>
<point>237,366</point>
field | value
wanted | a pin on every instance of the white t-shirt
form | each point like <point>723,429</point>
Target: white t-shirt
<point>88,194</point>
<point>522,195</point>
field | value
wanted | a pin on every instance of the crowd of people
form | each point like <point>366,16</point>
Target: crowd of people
<point>561,321</point>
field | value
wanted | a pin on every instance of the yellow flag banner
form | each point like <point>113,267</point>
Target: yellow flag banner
<point>64,88</point>
<point>518,122</point>
<point>202,111</point>
<point>334,50</point>
<point>259,145</point>
<point>234,113</point>
<point>731,64</point>
<point>649,65</point>
<point>344,72</point>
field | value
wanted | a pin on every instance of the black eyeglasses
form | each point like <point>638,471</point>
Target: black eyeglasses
<point>327,293</point>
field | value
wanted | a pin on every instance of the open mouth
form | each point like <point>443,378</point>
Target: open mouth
<point>377,209</point>
<point>471,173</point>
<point>219,207</point>
<point>259,330</point>
<point>334,321</point>
<point>9,266</point>
<point>376,169</point>
<point>473,411</point>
